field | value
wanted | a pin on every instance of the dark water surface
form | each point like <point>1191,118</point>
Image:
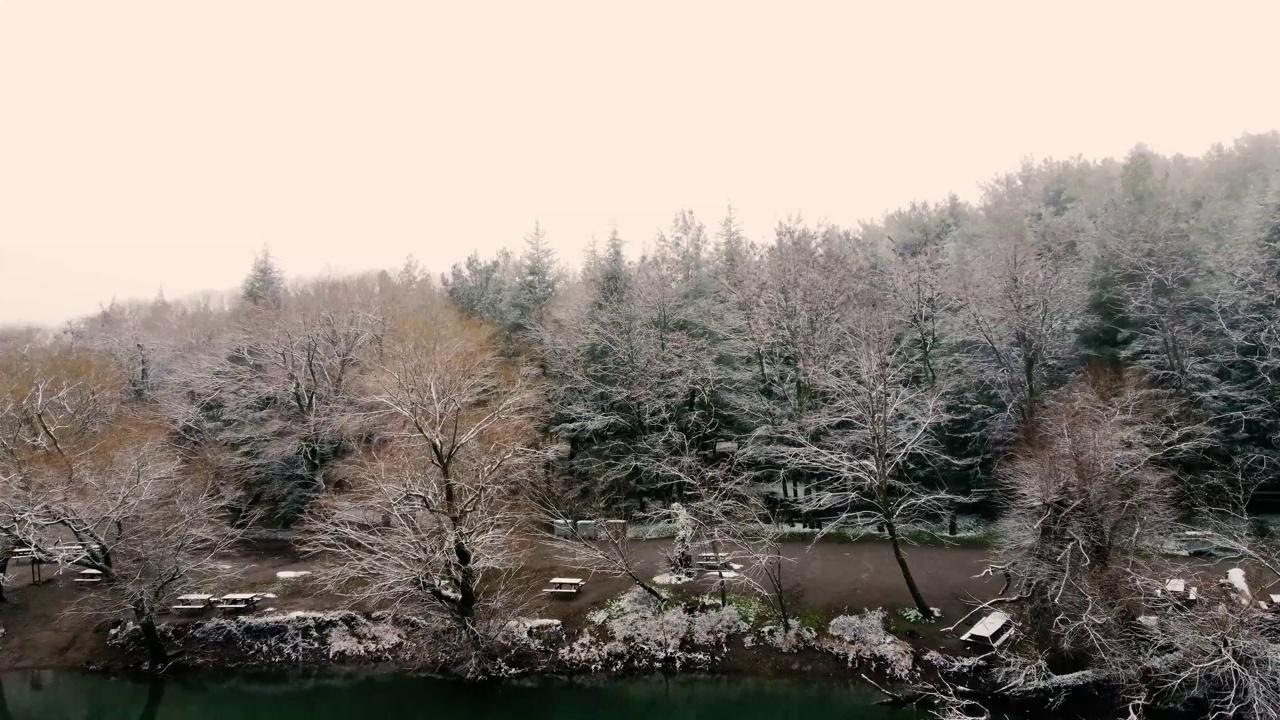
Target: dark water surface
<point>71,696</point>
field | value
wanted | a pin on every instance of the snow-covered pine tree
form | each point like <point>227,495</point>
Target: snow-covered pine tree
<point>264,287</point>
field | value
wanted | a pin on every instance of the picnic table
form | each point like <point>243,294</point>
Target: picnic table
<point>991,631</point>
<point>565,586</point>
<point>1178,588</point>
<point>196,602</point>
<point>29,554</point>
<point>238,601</point>
<point>714,560</point>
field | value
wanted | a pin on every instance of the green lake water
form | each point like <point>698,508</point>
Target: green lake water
<point>72,696</point>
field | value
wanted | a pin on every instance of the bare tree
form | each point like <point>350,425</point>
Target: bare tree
<point>436,520</point>
<point>280,402</point>
<point>1164,274</point>
<point>1218,654</point>
<point>137,518</point>
<point>1022,294</point>
<point>918,283</point>
<point>1089,509</point>
<point>868,443</point>
<point>75,466</point>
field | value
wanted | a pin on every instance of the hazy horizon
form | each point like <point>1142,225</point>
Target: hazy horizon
<point>150,145</point>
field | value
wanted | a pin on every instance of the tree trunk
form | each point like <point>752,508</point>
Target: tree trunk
<point>4,568</point>
<point>467,604</point>
<point>151,636</point>
<point>777,589</point>
<point>951,523</point>
<point>647,588</point>
<point>724,593</point>
<point>916,597</point>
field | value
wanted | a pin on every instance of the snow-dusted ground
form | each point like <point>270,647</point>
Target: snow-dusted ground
<point>672,579</point>
<point>1235,578</point>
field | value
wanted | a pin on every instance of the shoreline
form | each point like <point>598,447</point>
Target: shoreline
<point>738,656</point>
<point>72,643</point>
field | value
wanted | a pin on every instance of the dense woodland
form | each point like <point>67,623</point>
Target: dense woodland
<point>1088,354</point>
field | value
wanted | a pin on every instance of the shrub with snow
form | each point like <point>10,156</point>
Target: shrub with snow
<point>644,634</point>
<point>863,638</point>
<point>796,639</point>
<point>300,637</point>
<point>912,615</point>
<point>533,634</point>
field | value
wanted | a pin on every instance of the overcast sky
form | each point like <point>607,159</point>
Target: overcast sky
<point>149,144</point>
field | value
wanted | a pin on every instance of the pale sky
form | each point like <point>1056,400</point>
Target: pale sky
<point>149,144</point>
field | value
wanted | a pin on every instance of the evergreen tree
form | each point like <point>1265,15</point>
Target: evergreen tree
<point>264,287</point>
<point>483,287</point>
<point>538,279</point>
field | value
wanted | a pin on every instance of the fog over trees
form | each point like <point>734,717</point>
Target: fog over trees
<point>1089,353</point>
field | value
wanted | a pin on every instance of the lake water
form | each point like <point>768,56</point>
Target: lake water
<point>72,696</point>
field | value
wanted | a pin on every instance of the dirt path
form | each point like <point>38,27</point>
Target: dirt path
<point>827,578</point>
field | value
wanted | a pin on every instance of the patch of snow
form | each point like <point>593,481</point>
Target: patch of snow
<point>1235,578</point>
<point>671,579</point>
<point>291,574</point>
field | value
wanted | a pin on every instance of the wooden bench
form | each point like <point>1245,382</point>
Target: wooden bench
<point>89,576</point>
